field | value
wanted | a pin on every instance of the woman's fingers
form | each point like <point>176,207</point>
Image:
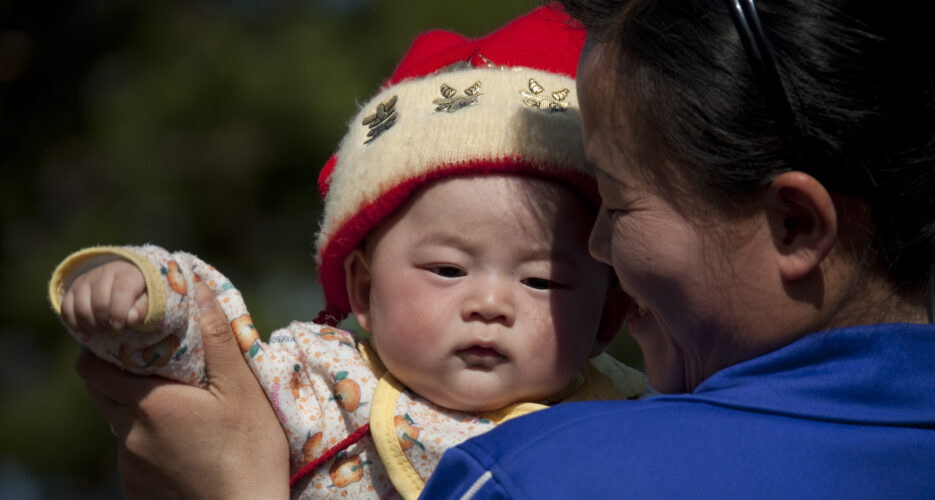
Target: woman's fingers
<point>124,388</point>
<point>112,412</point>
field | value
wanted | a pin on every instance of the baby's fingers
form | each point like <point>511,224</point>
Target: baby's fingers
<point>83,308</point>
<point>128,299</point>
<point>101,299</point>
<point>68,310</point>
<point>137,313</point>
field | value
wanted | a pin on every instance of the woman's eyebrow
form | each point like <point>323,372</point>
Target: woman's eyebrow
<point>600,172</point>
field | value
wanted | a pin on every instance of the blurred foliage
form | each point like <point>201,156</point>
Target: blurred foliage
<point>194,125</point>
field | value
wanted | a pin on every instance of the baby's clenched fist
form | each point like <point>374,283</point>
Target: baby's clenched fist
<point>111,296</point>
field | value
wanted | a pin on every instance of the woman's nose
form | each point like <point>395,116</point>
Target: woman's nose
<point>599,242</point>
<point>491,301</point>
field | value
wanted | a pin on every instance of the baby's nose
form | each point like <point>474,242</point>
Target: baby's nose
<point>491,302</point>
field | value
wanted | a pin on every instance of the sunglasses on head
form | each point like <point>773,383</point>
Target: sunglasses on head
<point>760,55</point>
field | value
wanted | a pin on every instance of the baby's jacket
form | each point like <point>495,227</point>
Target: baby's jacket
<point>354,430</point>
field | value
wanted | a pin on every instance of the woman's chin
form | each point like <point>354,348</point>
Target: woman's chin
<point>664,373</point>
<point>665,383</point>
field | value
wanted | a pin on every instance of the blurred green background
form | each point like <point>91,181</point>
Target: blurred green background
<point>196,125</point>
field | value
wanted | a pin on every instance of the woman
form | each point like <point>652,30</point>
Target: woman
<point>768,208</point>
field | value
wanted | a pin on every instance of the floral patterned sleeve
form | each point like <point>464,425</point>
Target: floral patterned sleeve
<point>315,377</point>
<point>168,342</point>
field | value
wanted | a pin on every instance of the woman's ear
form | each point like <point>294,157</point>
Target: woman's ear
<point>357,273</point>
<point>803,222</point>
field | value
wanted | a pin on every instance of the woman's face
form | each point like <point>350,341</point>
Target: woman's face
<point>699,283</point>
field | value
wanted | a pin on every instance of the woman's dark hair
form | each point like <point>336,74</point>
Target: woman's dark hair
<point>858,75</point>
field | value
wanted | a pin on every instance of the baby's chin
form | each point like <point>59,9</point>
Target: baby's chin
<point>480,406</point>
<point>479,401</point>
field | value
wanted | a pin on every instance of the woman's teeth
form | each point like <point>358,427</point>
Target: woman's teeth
<point>641,310</point>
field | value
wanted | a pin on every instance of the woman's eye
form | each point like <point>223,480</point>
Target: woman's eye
<point>448,271</point>
<point>538,283</point>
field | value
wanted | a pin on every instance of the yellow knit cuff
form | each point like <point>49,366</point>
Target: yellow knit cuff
<point>89,258</point>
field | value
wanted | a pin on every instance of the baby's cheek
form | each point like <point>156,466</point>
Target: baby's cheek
<point>549,369</point>
<point>405,345</point>
<point>570,327</point>
<point>539,325</point>
<point>551,347</point>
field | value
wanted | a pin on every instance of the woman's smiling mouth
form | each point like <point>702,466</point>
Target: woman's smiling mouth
<point>635,311</point>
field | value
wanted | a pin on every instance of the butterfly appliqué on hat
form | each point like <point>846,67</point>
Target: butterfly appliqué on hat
<point>380,121</point>
<point>535,99</point>
<point>452,102</point>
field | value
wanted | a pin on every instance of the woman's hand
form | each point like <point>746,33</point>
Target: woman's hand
<point>178,441</point>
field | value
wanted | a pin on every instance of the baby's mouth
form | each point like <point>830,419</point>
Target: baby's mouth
<point>481,356</point>
<point>482,351</point>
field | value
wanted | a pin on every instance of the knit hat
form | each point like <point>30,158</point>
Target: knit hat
<point>454,106</point>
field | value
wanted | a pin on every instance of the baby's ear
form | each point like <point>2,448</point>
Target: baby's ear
<point>357,271</point>
<point>611,318</point>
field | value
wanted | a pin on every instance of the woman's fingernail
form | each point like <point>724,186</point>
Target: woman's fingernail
<point>203,297</point>
<point>133,316</point>
<point>115,325</point>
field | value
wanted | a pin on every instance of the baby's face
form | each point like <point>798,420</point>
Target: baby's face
<point>482,292</point>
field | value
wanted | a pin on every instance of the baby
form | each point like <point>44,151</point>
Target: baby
<point>457,214</point>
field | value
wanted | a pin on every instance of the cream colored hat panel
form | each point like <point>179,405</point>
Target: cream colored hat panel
<point>453,118</point>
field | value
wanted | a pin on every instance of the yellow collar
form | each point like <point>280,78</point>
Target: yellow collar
<point>603,378</point>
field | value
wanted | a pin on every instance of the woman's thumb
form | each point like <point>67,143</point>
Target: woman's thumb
<point>224,363</point>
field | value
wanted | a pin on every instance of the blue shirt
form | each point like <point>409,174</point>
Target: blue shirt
<point>847,413</point>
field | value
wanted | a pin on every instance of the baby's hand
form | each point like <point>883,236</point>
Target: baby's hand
<point>109,297</point>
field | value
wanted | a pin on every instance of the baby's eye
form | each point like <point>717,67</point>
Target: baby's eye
<point>538,283</point>
<point>447,271</point>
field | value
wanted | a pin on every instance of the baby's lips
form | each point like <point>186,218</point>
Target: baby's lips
<point>481,356</point>
<point>479,350</point>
